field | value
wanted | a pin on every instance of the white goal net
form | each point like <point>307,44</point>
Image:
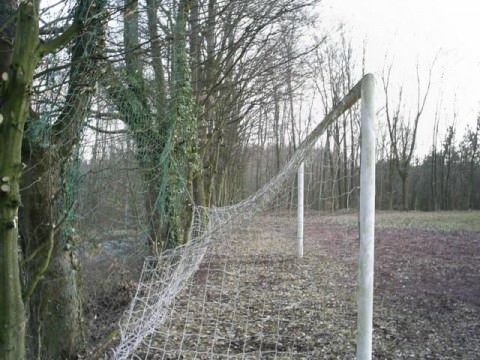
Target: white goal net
<point>235,291</point>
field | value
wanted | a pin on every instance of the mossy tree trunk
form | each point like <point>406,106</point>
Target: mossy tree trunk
<point>183,153</point>
<point>54,302</point>
<point>17,69</point>
<point>165,134</point>
<point>16,81</point>
<point>55,325</point>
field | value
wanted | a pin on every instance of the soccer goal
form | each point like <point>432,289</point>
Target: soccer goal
<point>256,279</point>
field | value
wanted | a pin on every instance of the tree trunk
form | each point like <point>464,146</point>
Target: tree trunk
<point>155,45</point>
<point>391,185</point>
<point>276,128</point>
<point>403,177</point>
<point>474,150</point>
<point>52,290</point>
<point>433,183</point>
<point>447,183</point>
<point>17,79</point>
<point>12,314</point>
<point>346,176</point>
<point>54,306</point>
<point>156,232</point>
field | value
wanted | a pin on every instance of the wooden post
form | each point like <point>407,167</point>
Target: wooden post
<point>300,181</point>
<point>366,221</point>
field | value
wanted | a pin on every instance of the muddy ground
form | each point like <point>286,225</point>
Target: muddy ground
<point>252,298</point>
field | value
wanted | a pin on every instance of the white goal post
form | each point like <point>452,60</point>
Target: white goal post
<point>366,219</point>
<point>301,182</point>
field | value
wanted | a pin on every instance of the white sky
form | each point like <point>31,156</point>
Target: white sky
<point>407,31</point>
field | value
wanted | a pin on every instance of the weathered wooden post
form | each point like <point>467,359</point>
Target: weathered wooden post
<point>367,221</point>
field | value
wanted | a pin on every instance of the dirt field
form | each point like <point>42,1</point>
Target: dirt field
<point>427,282</point>
<point>253,299</point>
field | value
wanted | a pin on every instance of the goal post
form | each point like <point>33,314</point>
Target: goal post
<point>365,90</point>
<point>366,220</point>
<point>300,200</point>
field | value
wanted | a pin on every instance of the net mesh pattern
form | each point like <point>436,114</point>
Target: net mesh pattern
<point>181,293</point>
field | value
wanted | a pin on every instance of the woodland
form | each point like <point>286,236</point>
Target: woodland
<point>118,117</point>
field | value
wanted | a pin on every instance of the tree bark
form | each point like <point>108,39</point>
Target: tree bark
<point>52,290</point>
<point>403,179</point>
<point>473,157</point>
<point>54,299</point>
<point>17,78</point>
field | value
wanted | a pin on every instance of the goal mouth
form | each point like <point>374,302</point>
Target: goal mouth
<point>213,296</point>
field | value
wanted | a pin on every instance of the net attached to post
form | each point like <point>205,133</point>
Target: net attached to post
<point>187,301</point>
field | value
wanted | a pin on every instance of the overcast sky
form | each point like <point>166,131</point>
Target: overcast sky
<point>407,30</point>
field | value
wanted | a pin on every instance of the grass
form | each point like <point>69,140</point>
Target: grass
<point>417,220</point>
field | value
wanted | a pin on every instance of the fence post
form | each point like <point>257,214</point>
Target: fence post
<point>366,221</point>
<point>300,187</point>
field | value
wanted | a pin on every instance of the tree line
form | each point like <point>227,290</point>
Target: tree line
<point>173,83</point>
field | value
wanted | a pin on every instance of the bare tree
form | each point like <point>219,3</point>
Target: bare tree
<point>473,146</point>
<point>434,168</point>
<point>402,127</point>
<point>446,163</point>
<point>335,67</point>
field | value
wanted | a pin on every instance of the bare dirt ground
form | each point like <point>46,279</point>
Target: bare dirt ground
<point>252,298</point>
<point>427,284</point>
